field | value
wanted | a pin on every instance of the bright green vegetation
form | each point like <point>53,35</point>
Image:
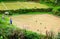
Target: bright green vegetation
<point>32,13</point>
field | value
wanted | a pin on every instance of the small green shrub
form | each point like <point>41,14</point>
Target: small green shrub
<point>58,36</point>
<point>31,35</point>
<point>56,12</point>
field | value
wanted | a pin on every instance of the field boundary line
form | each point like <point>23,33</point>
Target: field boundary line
<point>4,5</point>
<point>20,3</point>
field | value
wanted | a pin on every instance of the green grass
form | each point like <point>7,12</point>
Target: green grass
<point>56,7</point>
<point>33,13</point>
<point>39,13</point>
